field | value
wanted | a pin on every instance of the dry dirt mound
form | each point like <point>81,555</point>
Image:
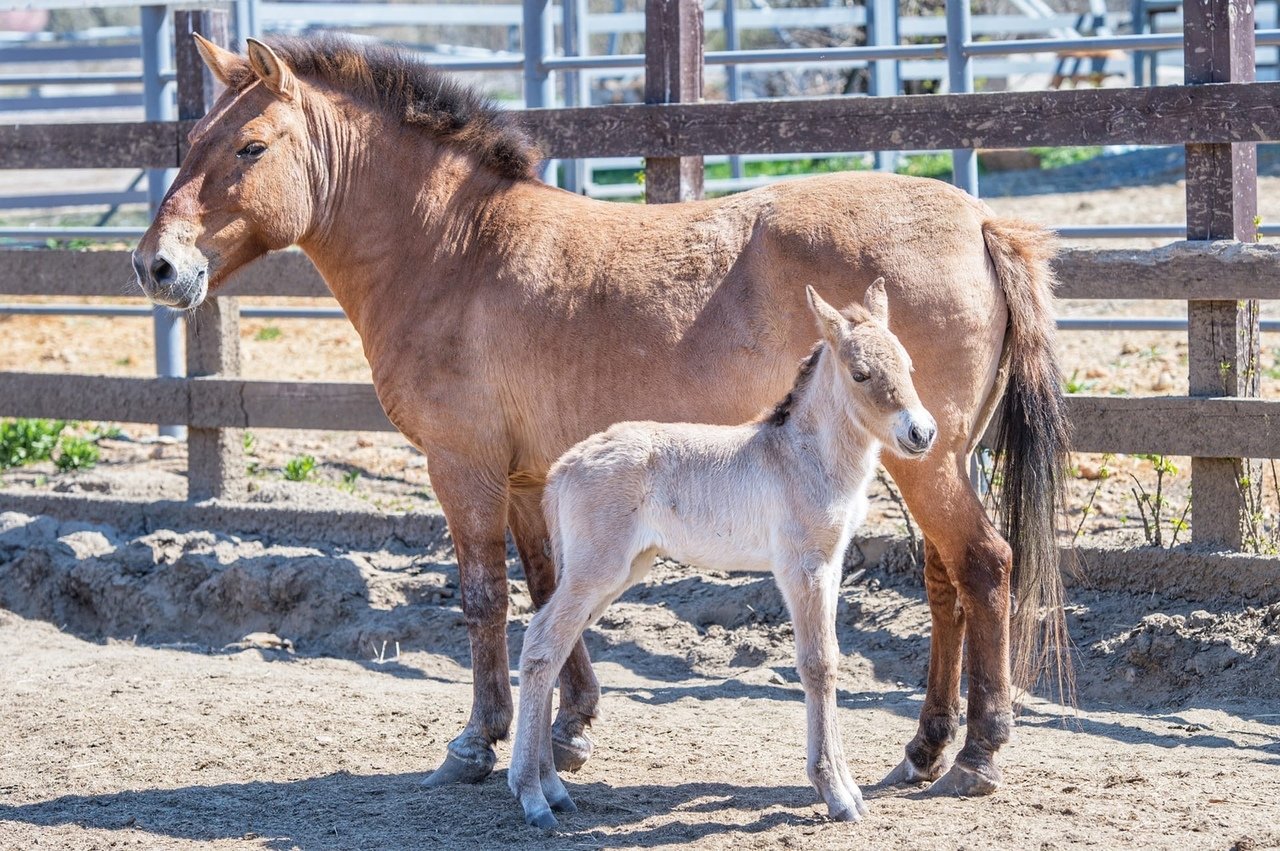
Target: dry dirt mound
<point>208,589</point>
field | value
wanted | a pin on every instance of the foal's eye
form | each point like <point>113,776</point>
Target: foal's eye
<point>860,375</point>
<point>252,151</point>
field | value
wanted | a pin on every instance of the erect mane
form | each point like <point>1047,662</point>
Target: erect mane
<point>405,88</point>
<point>781,412</point>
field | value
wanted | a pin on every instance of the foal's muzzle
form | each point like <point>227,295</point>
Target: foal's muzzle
<point>170,281</point>
<point>915,432</point>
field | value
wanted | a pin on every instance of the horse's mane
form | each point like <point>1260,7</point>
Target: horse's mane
<point>781,412</point>
<point>404,87</point>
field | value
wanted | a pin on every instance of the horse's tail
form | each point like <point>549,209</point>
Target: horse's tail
<point>1033,437</point>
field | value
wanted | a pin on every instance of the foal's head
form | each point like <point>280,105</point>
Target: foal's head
<point>874,370</point>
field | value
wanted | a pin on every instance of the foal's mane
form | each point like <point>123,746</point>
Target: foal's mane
<point>781,412</point>
<point>405,88</point>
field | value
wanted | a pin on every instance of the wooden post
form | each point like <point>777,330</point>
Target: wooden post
<point>672,74</point>
<point>215,456</point>
<point>1222,202</point>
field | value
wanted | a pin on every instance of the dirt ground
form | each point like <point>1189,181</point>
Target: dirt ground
<point>136,713</point>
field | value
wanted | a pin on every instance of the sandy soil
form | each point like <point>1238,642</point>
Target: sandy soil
<point>113,740</point>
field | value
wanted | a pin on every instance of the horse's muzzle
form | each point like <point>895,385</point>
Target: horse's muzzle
<point>171,282</point>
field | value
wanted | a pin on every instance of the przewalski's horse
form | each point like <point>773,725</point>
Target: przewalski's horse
<point>783,493</point>
<point>506,320</point>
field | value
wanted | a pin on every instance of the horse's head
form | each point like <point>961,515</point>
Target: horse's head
<point>245,186</point>
<point>875,371</point>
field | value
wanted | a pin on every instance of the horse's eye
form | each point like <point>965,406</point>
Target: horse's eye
<point>252,151</point>
<point>860,376</point>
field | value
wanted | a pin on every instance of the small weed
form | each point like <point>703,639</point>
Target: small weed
<point>124,361</point>
<point>267,334</point>
<point>1104,473</point>
<point>26,441</point>
<point>248,442</point>
<point>300,469</point>
<point>103,431</point>
<point>1152,507</point>
<point>1261,535</point>
<point>349,480</point>
<point>1075,385</point>
<point>76,454</point>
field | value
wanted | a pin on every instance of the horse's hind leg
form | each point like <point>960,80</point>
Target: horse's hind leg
<point>811,592</point>
<point>977,562</point>
<point>925,760</point>
<point>579,691</point>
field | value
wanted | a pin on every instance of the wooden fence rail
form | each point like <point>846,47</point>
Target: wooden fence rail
<point>1167,115</point>
<point>1217,116</point>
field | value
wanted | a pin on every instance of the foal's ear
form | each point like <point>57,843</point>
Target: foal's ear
<point>221,61</point>
<point>830,322</point>
<point>876,301</point>
<point>271,70</point>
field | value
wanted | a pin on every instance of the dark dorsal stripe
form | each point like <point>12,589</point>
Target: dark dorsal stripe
<point>405,88</point>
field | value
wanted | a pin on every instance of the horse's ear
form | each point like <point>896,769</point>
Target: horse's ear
<point>271,70</point>
<point>221,62</point>
<point>876,301</point>
<point>830,322</point>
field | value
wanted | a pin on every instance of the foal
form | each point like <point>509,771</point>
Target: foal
<point>783,493</point>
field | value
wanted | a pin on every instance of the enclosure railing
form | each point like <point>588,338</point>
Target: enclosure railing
<point>1218,115</point>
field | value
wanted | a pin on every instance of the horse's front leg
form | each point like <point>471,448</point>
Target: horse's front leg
<point>579,690</point>
<point>811,592</point>
<point>474,501</point>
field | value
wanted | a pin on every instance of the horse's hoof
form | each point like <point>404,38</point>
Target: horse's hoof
<point>965,783</point>
<point>542,819</point>
<point>907,774</point>
<point>847,813</point>
<point>564,805</point>
<point>571,752</point>
<point>456,769</point>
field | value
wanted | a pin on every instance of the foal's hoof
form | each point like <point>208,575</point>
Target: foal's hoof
<point>965,782</point>
<point>564,804</point>
<point>571,752</point>
<point>908,774</point>
<point>473,768</point>
<point>542,819</point>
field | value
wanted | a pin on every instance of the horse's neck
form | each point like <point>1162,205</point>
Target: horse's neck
<point>824,419</point>
<point>398,216</point>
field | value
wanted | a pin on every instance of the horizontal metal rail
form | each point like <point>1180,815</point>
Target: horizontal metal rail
<point>1070,323</point>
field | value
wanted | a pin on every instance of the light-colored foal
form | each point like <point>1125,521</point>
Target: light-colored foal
<point>782,493</point>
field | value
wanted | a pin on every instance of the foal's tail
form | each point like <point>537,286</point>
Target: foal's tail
<point>1032,441</point>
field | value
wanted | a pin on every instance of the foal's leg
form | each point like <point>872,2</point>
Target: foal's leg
<point>474,502</point>
<point>811,592</point>
<point>551,636</point>
<point>978,563</point>
<point>579,691</point>
<point>940,716</point>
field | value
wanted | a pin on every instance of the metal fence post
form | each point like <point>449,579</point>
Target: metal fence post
<point>733,73</point>
<point>672,74</point>
<point>576,93</point>
<point>1222,203</point>
<point>537,39</point>
<point>964,162</point>
<point>215,456</point>
<point>882,30</point>
<point>156,48</point>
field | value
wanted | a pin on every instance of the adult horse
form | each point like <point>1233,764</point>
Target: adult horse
<point>505,320</point>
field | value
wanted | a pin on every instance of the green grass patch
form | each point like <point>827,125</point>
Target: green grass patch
<point>300,469</point>
<point>267,334</point>
<point>1058,157</point>
<point>76,453</point>
<point>26,441</point>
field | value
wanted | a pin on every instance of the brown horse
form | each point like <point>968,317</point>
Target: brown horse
<point>506,320</point>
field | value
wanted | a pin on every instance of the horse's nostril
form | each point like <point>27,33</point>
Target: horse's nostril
<point>162,271</point>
